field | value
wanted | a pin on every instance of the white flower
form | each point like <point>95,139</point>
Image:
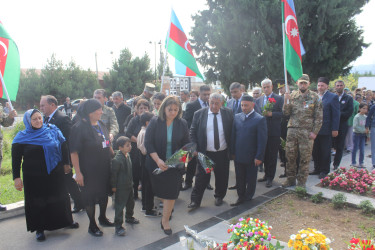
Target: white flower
<point>318,232</point>
<point>311,235</point>
<point>293,237</point>
<point>328,241</point>
<point>314,248</point>
<point>303,235</point>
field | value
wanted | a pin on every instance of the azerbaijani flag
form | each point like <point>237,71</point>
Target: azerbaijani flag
<point>293,44</point>
<point>179,47</point>
<point>9,64</point>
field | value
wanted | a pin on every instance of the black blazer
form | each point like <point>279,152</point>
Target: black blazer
<point>191,107</point>
<point>274,122</point>
<point>346,107</point>
<point>62,122</point>
<point>198,129</point>
<point>156,139</point>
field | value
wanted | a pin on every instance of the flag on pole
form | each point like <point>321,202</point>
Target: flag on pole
<point>293,44</point>
<point>179,47</point>
<point>9,64</point>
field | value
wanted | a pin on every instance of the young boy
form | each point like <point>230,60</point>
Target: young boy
<point>147,194</point>
<point>122,185</point>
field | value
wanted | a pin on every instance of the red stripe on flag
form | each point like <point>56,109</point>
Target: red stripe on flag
<point>189,72</point>
<point>180,38</point>
<point>4,44</point>
<point>291,28</point>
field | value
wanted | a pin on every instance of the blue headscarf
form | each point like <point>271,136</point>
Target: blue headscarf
<point>48,136</point>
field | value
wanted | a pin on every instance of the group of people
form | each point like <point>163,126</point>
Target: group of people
<point>115,150</point>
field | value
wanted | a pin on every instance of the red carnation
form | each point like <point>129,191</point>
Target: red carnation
<point>271,100</point>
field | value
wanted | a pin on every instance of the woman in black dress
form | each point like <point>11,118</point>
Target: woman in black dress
<point>44,155</point>
<point>91,157</point>
<point>165,135</point>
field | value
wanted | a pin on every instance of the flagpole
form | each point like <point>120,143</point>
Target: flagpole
<point>166,53</point>
<point>5,90</point>
<point>284,55</point>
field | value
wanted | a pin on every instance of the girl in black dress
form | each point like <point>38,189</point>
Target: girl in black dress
<point>91,157</point>
<point>44,153</point>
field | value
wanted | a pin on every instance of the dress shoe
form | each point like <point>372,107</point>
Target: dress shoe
<point>288,184</point>
<point>132,220</point>
<point>314,173</point>
<point>269,183</point>
<point>2,208</point>
<point>193,205</point>
<point>40,236</point>
<point>105,222</point>
<point>322,175</point>
<point>120,231</point>
<point>74,225</point>
<point>218,201</point>
<point>233,187</point>
<point>77,209</point>
<point>238,202</point>
<point>262,179</point>
<point>209,187</point>
<point>166,231</point>
<point>95,232</point>
<point>186,187</point>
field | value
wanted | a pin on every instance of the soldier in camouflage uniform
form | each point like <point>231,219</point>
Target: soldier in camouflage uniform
<point>306,115</point>
<point>108,116</point>
<point>5,121</point>
<point>148,92</point>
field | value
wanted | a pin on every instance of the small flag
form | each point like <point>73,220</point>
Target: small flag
<point>9,64</point>
<point>179,47</point>
<point>293,44</point>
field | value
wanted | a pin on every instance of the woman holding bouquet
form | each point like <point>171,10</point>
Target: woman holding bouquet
<point>166,134</point>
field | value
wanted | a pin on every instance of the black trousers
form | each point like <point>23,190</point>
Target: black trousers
<point>202,179</point>
<point>135,155</point>
<point>270,157</point>
<point>322,153</point>
<point>340,142</point>
<point>190,171</point>
<point>73,189</point>
<point>147,193</point>
<point>246,178</point>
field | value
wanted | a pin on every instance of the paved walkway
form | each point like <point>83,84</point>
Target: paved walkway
<point>210,220</point>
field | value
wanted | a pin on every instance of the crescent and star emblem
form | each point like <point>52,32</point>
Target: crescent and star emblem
<point>287,19</point>
<point>186,44</point>
<point>5,48</point>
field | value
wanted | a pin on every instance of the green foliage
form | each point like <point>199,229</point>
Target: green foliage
<point>168,71</point>
<point>242,40</point>
<point>301,192</point>
<point>129,74</point>
<point>339,200</point>
<point>317,198</point>
<point>366,207</point>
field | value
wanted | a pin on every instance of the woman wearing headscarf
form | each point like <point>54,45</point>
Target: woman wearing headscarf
<point>91,157</point>
<point>44,154</point>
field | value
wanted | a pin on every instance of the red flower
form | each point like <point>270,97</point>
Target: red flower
<point>354,241</point>
<point>271,100</point>
<point>183,158</point>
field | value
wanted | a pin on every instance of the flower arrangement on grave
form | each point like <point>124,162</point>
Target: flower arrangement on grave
<point>358,244</point>
<point>268,106</point>
<point>309,238</point>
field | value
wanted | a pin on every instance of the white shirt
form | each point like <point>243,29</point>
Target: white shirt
<point>321,96</point>
<point>51,115</point>
<point>266,99</point>
<point>202,103</point>
<point>210,132</point>
<point>340,96</point>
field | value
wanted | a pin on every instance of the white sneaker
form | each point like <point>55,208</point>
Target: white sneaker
<point>361,166</point>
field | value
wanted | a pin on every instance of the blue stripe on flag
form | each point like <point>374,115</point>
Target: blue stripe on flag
<point>180,68</point>
<point>175,21</point>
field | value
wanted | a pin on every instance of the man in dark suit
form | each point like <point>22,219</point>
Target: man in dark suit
<point>248,143</point>
<point>191,107</point>
<point>122,112</point>
<point>235,102</point>
<point>330,126</point>
<point>273,119</point>
<point>48,106</point>
<point>211,131</point>
<point>346,110</point>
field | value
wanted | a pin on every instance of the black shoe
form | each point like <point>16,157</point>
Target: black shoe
<point>40,236</point>
<point>335,167</point>
<point>238,202</point>
<point>132,220</point>
<point>95,232</point>
<point>166,231</point>
<point>218,201</point>
<point>120,231</point>
<point>74,225</point>
<point>314,173</point>
<point>2,208</point>
<point>153,213</point>
<point>105,222</point>
<point>77,209</point>
<point>322,175</point>
<point>209,187</point>
<point>262,179</point>
<point>269,183</point>
<point>186,187</point>
<point>193,205</point>
<point>282,176</point>
<point>233,187</point>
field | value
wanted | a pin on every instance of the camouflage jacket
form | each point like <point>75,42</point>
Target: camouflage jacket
<point>5,121</point>
<point>149,101</point>
<point>305,111</point>
<point>110,120</point>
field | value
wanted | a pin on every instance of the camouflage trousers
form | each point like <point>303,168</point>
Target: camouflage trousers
<point>298,140</point>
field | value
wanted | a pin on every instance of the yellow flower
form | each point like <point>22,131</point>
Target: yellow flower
<point>298,237</point>
<point>305,248</point>
<point>290,243</point>
<point>310,240</point>
<point>297,245</point>
<point>323,247</point>
<point>241,240</point>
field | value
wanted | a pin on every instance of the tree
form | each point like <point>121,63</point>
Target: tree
<point>168,71</point>
<point>242,40</point>
<point>29,89</point>
<point>128,75</point>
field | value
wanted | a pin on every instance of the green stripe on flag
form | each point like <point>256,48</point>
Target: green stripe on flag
<point>184,57</point>
<point>293,62</point>
<point>12,71</point>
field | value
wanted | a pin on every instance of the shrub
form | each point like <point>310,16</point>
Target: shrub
<point>366,207</point>
<point>339,200</point>
<point>317,198</point>
<point>301,192</point>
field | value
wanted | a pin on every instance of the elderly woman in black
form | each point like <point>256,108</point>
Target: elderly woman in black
<point>45,157</point>
<point>165,135</point>
<point>91,157</point>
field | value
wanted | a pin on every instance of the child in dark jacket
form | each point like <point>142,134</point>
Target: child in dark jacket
<point>122,185</point>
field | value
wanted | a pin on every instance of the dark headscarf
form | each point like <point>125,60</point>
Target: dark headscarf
<point>48,136</point>
<point>88,107</point>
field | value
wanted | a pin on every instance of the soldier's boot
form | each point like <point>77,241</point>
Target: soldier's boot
<point>290,182</point>
<point>301,182</point>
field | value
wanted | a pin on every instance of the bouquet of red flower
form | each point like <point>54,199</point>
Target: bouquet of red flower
<point>180,158</point>
<point>206,163</point>
<point>269,106</point>
<point>357,243</point>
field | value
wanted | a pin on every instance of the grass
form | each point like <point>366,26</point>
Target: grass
<point>8,193</point>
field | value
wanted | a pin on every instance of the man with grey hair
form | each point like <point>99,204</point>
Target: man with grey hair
<point>235,102</point>
<point>257,92</point>
<point>184,95</point>
<point>122,112</point>
<point>211,131</point>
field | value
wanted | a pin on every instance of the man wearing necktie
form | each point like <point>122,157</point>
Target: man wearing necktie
<point>235,102</point>
<point>211,131</point>
<point>273,119</point>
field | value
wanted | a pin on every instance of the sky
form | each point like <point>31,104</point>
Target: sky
<point>76,30</point>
